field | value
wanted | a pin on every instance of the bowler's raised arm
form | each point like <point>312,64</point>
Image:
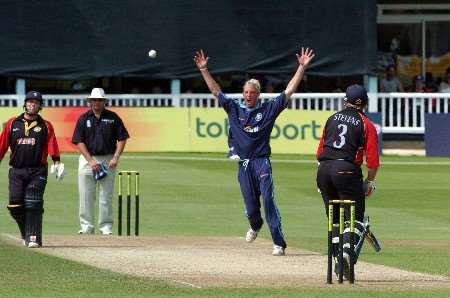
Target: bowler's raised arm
<point>304,58</point>
<point>201,60</point>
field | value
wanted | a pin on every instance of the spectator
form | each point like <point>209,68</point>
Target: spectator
<point>391,83</point>
<point>418,84</point>
<point>157,90</point>
<point>269,88</point>
<point>430,85</point>
<point>338,85</point>
<point>135,90</point>
<point>444,87</point>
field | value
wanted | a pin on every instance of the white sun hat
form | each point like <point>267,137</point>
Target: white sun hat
<point>97,93</point>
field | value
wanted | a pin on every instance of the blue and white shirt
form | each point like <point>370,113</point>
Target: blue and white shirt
<point>250,129</point>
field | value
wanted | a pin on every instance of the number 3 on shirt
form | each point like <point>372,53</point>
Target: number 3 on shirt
<point>341,136</point>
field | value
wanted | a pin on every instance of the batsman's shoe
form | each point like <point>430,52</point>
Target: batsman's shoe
<point>33,244</point>
<point>336,268</point>
<point>251,235</point>
<point>346,267</point>
<point>278,251</point>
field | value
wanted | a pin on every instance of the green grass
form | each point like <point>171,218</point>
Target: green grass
<point>409,214</point>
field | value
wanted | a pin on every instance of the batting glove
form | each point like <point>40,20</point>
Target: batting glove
<point>58,170</point>
<point>369,187</point>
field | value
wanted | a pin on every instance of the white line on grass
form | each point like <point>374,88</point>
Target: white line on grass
<point>296,161</point>
<point>187,284</point>
<point>11,236</point>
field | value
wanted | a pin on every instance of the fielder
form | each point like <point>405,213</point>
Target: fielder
<point>347,136</point>
<point>251,124</point>
<point>31,139</point>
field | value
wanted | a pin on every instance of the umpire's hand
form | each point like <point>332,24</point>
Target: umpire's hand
<point>95,166</point>
<point>113,162</point>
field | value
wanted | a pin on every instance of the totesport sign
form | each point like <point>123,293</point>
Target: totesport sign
<point>188,129</point>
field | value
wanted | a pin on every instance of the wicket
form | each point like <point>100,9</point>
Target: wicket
<point>341,204</point>
<point>136,200</point>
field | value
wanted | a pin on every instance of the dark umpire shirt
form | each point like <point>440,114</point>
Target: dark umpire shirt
<point>250,129</point>
<point>100,135</point>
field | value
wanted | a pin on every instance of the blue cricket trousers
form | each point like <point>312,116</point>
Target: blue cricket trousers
<point>255,180</point>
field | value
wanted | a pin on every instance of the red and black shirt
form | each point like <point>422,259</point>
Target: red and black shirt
<point>31,141</point>
<point>349,135</point>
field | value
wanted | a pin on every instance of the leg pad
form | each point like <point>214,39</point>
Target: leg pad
<point>358,238</point>
<point>18,213</point>
<point>34,208</point>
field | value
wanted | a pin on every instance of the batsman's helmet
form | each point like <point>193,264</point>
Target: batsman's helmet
<point>357,95</point>
<point>34,95</point>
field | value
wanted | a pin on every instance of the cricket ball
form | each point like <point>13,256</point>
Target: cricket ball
<point>152,54</point>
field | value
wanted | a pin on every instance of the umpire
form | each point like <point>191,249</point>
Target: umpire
<point>31,139</point>
<point>101,137</point>
<point>348,136</point>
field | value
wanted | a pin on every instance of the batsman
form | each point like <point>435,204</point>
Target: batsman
<point>347,137</point>
<point>31,139</point>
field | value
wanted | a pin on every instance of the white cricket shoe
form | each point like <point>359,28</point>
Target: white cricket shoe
<point>278,251</point>
<point>86,232</point>
<point>251,235</point>
<point>33,244</point>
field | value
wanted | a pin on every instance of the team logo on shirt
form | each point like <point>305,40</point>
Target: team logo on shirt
<point>37,129</point>
<point>108,121</point>
<point>250,128</point>
<point>88,123</point>
<point>26,141</point>
<point>258,117</point>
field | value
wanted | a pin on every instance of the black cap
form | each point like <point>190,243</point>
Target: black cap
<point>357,95</point>
<point>34,95</point>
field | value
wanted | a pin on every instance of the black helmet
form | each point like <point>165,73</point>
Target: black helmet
<point>357,95</point>
<point>34,95</point>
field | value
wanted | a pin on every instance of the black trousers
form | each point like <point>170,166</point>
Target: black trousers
<point>339,179</point>
<point>21,179</point>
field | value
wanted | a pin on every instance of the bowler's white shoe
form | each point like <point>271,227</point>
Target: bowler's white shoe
<point>83,232</point>
<point>278,251</point>
<point>251,235</point>
<point>33,244</point>
<point>106,232</point>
